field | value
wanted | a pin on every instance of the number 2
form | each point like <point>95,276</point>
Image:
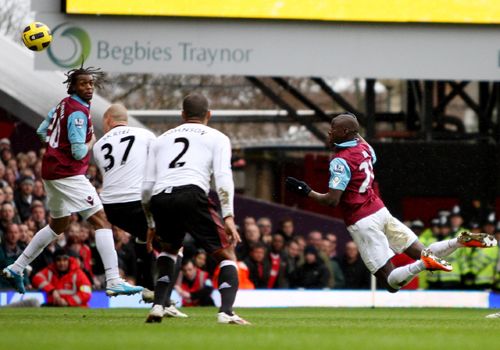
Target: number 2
<point>174,163</point>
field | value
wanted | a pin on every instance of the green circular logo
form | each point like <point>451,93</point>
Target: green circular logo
<point>70,57</point>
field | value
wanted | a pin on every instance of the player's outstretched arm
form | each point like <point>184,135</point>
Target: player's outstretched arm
<point>331,198</point>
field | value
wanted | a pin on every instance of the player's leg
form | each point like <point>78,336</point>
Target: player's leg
<point>60,219</point>
<point>106,247</point>
<point>14,272</point>
<point>168,213</point>
<point>228,285</point>
<point>402,240</point>
<point>130,218</point>
<point>208,230</point>
<point>464,239</point>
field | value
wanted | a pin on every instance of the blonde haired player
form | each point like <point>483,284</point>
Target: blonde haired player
<point>121,156</point>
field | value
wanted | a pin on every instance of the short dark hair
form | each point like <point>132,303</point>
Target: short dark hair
<point>195,106</point>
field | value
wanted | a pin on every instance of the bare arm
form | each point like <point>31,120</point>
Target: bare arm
<point>331,198</point>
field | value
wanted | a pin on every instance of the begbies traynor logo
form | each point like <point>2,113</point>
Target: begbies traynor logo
<point>76,45</point>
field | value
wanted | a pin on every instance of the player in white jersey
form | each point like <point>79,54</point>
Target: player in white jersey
<point>121,156</point>
<point>180,165</point>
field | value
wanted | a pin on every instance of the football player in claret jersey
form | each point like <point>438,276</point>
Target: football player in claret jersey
<point>179,168</point>
<point>376,232</point>
<point>121,156</point>
<point>69,135</point>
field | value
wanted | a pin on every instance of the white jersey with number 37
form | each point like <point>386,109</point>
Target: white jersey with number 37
<point>121,156</point>
<point>188,155</point>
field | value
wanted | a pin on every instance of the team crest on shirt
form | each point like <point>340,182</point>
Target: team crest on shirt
<point>90,200</point>
<point>339,168</point>
<point>336,180</point>
<point>79,122</point>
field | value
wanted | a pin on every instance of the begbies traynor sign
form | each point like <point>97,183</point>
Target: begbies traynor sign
<point>269,48</point>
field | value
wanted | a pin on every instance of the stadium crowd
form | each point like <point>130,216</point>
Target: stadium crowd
<point>272,255</point>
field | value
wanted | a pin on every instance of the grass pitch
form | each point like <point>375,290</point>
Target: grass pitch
<point>277,329</point>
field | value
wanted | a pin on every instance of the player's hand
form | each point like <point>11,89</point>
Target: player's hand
<point>149,239</point>
<point>231,231</point>
<point>299,187</point>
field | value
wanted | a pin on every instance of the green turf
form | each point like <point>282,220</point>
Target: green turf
<point>277,329</point>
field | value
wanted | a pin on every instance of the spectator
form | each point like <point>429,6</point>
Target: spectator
<point>2,196</point>
<point>5,155</point>
<point>293,257</point>
<point>9,196</point>
<point>248,220</point>
<point>301,241</point>
<point>7,216</point>
<point>328,250</point>
<point>313,274</point>
<point>332,237</point>
<point>287,228</point>
<point>315,238</point>
<point>200,259</point>
<point>10,177</point>
<point>478,266</point>
<point>258,265</point>
<point>456,220</point>
<point>3,183</point>
<point>38,218</point>
<point>251,236</point>
<point>195,287</point>
<point>417,226</point>
<point>24,197</point>
<point>356,274</point>
<point>25,235</point>
<point>75,243</point>
<point>10,251</point>
<point>126,255</point>
<point>64,281</point>
<point>277,274</point>
<point>266,229</point>
<point>31,158</point>
<point>39,193</point>
<point>489,224</point>
<point>4,143</point>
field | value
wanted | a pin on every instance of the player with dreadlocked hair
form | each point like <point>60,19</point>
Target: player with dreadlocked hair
<point>69,136</point>
<point>73,75</point>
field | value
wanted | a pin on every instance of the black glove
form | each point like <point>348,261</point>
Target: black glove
<point>297,186</point>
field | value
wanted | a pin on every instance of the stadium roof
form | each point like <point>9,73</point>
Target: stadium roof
<point>30,94</point>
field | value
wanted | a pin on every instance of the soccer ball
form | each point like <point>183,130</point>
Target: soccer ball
<point>36,36</point>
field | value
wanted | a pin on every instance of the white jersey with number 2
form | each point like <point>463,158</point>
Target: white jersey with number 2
<point>121,156</point>
<point>188,155</point>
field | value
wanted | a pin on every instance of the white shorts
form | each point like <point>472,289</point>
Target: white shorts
<point>73,194</point>
<point>379,236</point>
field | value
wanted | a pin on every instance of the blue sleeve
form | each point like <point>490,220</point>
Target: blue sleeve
<point>340,174</point>
<point>44,126</point>
<point>374,156</point>
<point>77,134</point>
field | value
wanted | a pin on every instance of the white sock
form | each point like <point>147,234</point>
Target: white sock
<point>40,240</point>
<point>401,276</point>
<point>106,248</point>
<point>444,248</point>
